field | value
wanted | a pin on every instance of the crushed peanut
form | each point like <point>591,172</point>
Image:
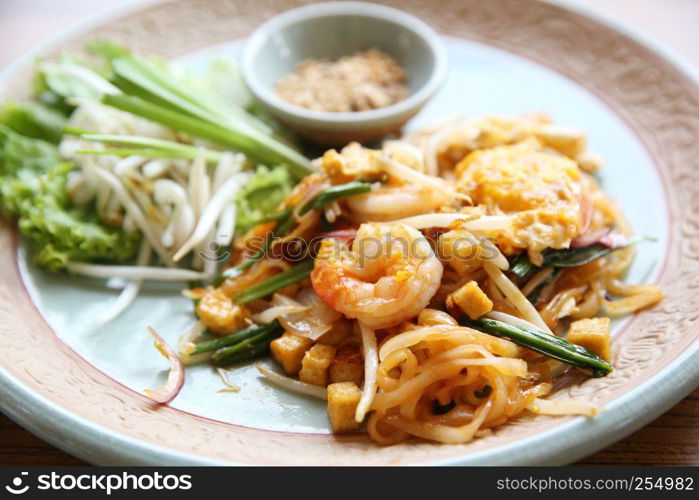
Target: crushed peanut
<point>362,81</point>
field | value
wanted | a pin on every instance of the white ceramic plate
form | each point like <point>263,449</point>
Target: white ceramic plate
<point>83,391</point>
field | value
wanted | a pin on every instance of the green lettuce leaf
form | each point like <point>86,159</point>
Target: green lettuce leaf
<point>33,189</point>
<point>34,120</point>
<point>261,196</point>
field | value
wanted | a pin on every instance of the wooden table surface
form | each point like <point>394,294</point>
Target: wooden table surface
<point>673,439</point>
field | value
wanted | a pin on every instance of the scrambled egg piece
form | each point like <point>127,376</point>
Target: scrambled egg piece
<point>351,164</point>
<point>483,133</point>
<point>493,131</point>
<point>541,189</point>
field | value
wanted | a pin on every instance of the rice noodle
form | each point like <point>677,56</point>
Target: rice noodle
<point>591,302</point>
<point>537,280</point>
<point>442,433</point>
<point>563,304</point>
<point>293,384</point>
<point>456,335</point>
<point>448,365</point>
<point>632,303</point>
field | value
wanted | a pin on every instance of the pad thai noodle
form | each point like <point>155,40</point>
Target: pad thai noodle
<point>433,288</point>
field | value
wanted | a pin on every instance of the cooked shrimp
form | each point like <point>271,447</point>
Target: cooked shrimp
<point>388,277</point>
<point>395,202</point>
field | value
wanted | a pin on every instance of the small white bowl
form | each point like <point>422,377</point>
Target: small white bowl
<point>330,31</point>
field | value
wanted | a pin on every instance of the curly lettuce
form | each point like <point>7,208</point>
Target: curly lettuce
<point>34,120</point>
<point>261,196</point>
<point>33,181</point>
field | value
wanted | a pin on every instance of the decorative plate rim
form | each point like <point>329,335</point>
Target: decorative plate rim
<point>100,444</point>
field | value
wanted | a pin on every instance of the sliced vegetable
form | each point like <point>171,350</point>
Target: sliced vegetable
<point>330,194</point>
<point>250,348</point>
<point>569,257</point>
<point>574,257</point>
<point>175,378</point>
<point>159,147</point>
<point>234,338</point>
<point>61,83</point>
<point>317,319</point>
<point>292,275</point>
<point>250,141</point>
<point>139,76</point>
<point>543,343</point>
<point>521,265</point>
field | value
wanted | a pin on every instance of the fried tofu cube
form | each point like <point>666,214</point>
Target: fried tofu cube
<point>315,364</point>
<point>347,366</point>
<point>288,350</point>
<point>220,315</point>
<point>593,334</point>
<point>568,141</point>
<point>471,300</point>
<point>343,398</point>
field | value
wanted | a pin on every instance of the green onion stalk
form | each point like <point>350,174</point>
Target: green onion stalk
<point>544,343</point>
<point>567,257</point>
<point>253,143</point>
